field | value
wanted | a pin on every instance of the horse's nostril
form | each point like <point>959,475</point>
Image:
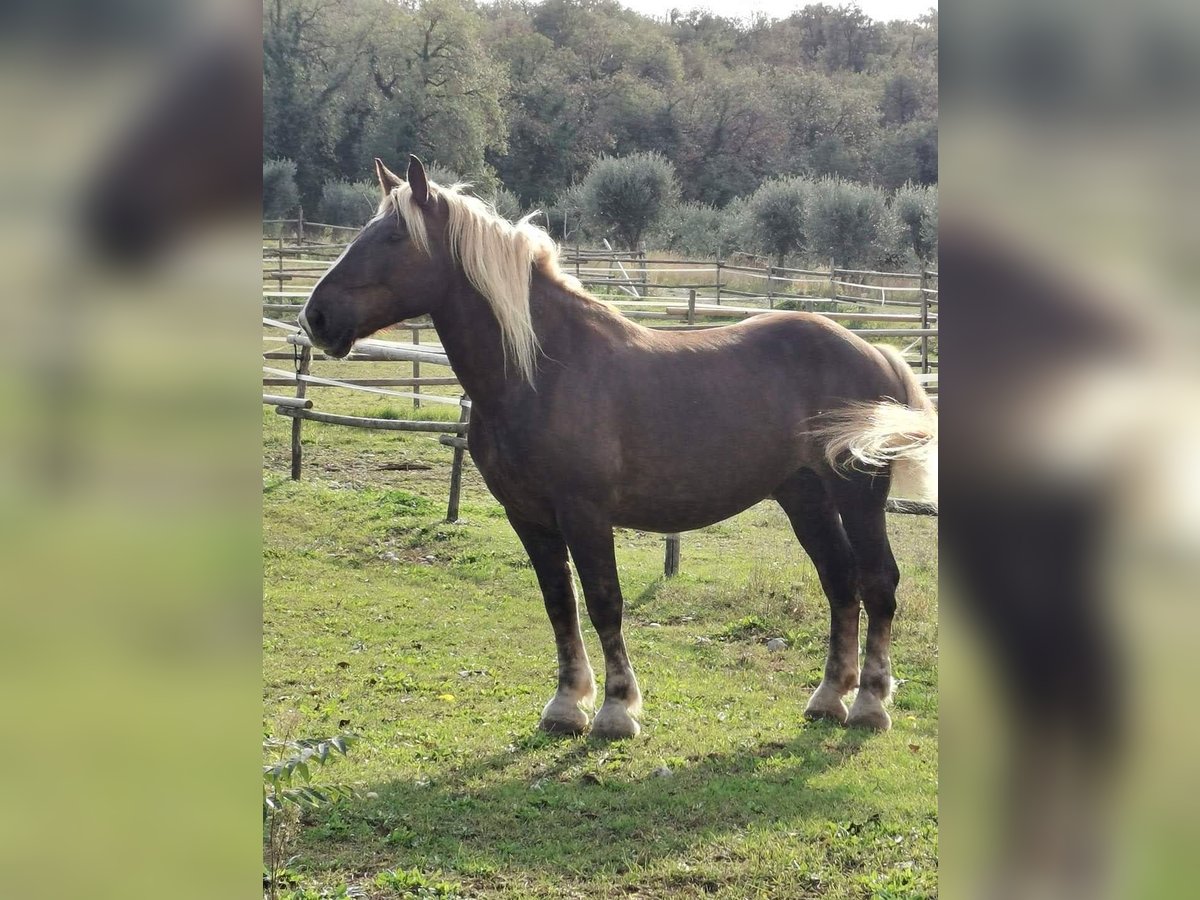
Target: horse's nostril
<point>314,318</point>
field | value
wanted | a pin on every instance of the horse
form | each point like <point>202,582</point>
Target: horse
<point>583,420</point>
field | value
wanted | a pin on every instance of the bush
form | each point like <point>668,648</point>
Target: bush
<point>776,217</point>
<point>689,228</point>
<point>628,195</point>
<point>736,227</point>
<point>506,203</point>
<point>852,223</point>
<point>439,174</point>
<point>348,202</point>
<point>916,211</point>
<point>280,195</point>
<point>563,216</point>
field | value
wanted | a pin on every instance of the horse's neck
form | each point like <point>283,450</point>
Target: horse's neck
<point>471,338</point>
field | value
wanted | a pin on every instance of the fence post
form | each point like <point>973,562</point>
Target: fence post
<point>671,562</point>
<point>720,265</point>
<point>301,389</point>
<point>924,320</point>
<point>832,278</point>
<point>300,226</point>
<point>416,368</point>
<point>770,287</point>
<point>645,271</point>
<point>457,466</point>
<point>691,319</point>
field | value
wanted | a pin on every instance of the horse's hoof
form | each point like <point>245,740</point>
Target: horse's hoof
<point>825,703</point>
<point>561,716</point>
<point>868,712</point>
<point>613,723</point>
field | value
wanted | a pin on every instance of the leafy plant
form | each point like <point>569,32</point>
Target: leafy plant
<point>288,788</point>
<point>415,883</point>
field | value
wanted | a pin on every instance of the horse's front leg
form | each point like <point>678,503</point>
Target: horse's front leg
<point>576,684</point>
<point>590,537</point>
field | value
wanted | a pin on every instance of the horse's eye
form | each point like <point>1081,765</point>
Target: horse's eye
<point>396,236</point>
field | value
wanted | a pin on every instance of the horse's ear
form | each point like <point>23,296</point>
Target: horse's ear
<point>417,181</point>
<point>387,178</point>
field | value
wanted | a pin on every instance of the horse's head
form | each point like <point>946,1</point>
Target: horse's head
<point>395,269</point>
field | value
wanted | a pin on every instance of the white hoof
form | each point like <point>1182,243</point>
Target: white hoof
<point>613,723</point>
<point>868,712</point>
<point>826,703</point>
<point>563,716</point>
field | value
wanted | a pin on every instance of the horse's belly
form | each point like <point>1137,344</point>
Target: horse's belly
<point>684,502</point>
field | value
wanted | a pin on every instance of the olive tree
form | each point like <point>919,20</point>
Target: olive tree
<point>917,213</point>
<point>628,195</point>
<point>852,223</point>
<point>348,202</point>
<point>776,217</point>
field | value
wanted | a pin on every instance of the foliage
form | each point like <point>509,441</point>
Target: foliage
<point>777,216</point>
<point>530,95</point>
<point>564,216</point>
<point>288,786</point>
<point>627,195</point>
<point>348,202</point>
<point>909,154</point>
<point>415,883</point>
<point>281,197</point>
<point>690,228</point>
<point>506,203</point>
<point>852,223</point>
<point>916,208</point>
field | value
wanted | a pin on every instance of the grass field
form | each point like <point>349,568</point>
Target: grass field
<point>430,642</point>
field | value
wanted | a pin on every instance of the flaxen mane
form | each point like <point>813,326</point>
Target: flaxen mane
<point>497,256</point>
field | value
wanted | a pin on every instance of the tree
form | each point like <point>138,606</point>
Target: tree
<point>851,223</point>
<point>908,154</point>
<point>851,39</point>
<point>303,75</point>
<point>348,202</point>
<point>281,197</point>
<point>691,228</point>
<point>729,134</point>
<point>529,96</point>
<point>776,216</point>
<point>436,89</point>
<point>916,210</point>
<point>627,195</point>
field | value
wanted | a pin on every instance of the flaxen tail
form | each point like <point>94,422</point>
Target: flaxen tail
<point>900,433</point>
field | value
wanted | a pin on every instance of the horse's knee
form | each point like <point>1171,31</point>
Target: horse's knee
<point>878,592</point>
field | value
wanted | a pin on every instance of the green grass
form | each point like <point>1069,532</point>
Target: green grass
<point>429,641</point>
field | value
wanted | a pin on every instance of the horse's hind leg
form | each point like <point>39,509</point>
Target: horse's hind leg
<point>814,518</point>
<point>861,501</point>
<point>576,685</point>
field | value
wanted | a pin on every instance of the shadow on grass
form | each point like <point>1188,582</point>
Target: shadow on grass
<point>648,594</point>
<point>577,810</point>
